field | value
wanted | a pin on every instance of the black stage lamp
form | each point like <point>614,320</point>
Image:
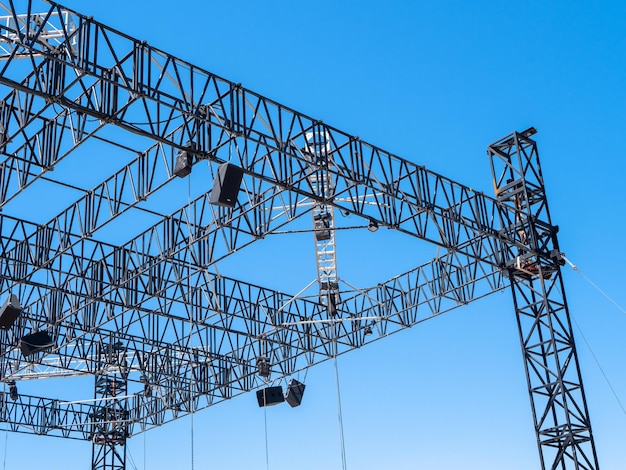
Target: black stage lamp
<point>13,391</point>
<point>263,366</point>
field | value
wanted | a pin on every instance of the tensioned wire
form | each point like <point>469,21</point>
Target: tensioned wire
<point>582,335</point>
<point>6,447</point>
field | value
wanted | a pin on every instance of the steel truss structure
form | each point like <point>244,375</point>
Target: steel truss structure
<point>149,315</point>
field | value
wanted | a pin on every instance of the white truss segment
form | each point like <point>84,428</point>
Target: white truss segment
<point>320,160</point>
<point>49,29</point>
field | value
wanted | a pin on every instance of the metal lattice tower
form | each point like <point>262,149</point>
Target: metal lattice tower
<point>110,419</point>
<point>556,392</point>
<point>147,314</point>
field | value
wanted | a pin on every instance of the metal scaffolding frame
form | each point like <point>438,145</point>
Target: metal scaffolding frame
<point>189,336</point>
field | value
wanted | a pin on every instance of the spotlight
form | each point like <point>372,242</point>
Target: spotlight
<point>263,366</point>
<point>322,226</point>
<point>147,388</point>
<point>373,226</point>
<point>333,299</point>
<point>13,391</point>
<point>368,331</point>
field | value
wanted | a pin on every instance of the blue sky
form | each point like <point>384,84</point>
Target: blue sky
<point>435,83</point>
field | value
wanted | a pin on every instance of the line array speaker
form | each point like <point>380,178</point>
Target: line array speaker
<point>270,396</point>
<point>295,390</point>
<point>35,342</point>
<point>226,185</point>
<point>9,312</point>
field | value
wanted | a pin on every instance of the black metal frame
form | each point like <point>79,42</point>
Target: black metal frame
<point>552,369</point>
<point>152,294</point>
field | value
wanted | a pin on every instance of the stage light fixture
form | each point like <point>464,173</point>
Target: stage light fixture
<point>263,366</point>
<point>147,388</point>
<point>372,226</point>
<point>13,391</point>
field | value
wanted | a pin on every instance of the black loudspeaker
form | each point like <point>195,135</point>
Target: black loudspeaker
<point>35,342</point>
<point>226,185</point>
<point>9,312</point>
<point>184,160</point>
<point>295,390</point>
<point>270,396</point>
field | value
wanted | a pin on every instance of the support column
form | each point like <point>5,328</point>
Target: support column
<point>533,261</point>
<point>110,427</point>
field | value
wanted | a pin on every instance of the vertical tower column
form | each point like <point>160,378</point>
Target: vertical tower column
<point>110,427</point>
<point>320,161</point>
<point>532,260</point>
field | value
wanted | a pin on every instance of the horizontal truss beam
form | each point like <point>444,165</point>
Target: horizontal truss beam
<point>147,83</point>
<point>192,377</point>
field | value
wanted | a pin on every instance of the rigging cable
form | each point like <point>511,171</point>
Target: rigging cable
<point>6,446</point>
<point>192,460</point>
<point>339,414</point>
<point>187,211</point>
<point>599,366</point>
<point>267,449</point>
<point>595,358</point>
<point>575,268</point>
<point>130,456</point>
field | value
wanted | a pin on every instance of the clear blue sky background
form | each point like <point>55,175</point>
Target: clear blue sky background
<point>433,82</point>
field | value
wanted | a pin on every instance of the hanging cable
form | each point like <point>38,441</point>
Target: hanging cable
<point>267,449</point>
<point>192,459</point>
<point>188,215</point>
<point>6,446</point>
<point>144,450</point>
<point>339,414</point>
